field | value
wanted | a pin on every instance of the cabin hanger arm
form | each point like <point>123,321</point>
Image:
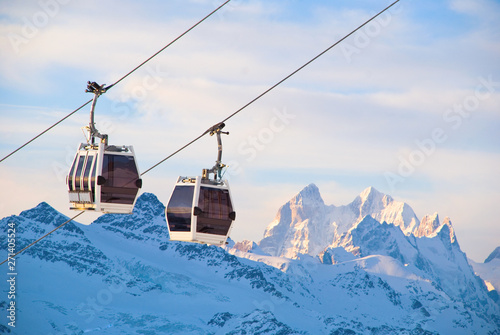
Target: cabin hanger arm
<point>93,87</point>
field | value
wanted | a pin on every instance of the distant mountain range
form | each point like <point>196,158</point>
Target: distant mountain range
<point>370,267</point>
<point>305,225</point>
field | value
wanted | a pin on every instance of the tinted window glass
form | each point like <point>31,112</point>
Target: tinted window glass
<point>179,208</point>
<point>121,175</point>
<point>86,173</point>
<point>79,168</point>
<point>216,206</point>
<point>71,171</point>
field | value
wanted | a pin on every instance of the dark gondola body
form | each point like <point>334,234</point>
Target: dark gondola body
<point>200,210</point>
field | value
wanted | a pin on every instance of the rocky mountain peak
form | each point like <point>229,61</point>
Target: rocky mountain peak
<point>428,225</point>
<point>147,206</point>
<point>146,223</point>
<point>383,207</point>
<point>308,196</point>
<point>445,231</point>
<point>305,225</point>
<point>370,195</point>
<point>245,245</point>
<point>43,212</point>
<point>494,255</point>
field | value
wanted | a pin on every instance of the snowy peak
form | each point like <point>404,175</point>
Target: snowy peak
<point>494,255</point>
<point>146,223</point>
<point>308,197</point>
<point>489,271</point>
<point>69,245</point>
<point>448,228</point>
<point>382,207</point>
<point>247,246</point>
<point>41,219</point>
<point>148,203</point>
<point>45,213</point>
<point>428,225</point>
<point>371,199</point>
<point>444,231</point>
<point>300,206</point>
<point>370,237</point>
<point>305,225</point>
<point>301,226</point>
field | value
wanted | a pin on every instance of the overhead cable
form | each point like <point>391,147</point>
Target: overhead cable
<point>227,118</point>
<point>76,110</point>
<point>119,80</point>
<point>276,85</point>
<point>44,236</point>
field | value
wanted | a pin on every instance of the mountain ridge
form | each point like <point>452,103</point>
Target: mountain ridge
<point>121,274</point>
<point>495,254</point>
<point>306,225</point>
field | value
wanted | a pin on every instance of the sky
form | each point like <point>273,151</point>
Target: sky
<point>409,104</point>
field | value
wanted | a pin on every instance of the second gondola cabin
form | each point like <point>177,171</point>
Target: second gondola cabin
<point>200,210</point>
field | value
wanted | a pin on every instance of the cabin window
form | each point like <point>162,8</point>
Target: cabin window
<point>179,208</point>
<point>120,173</point>
<point>72,170</point>
<point>216,206</point>
<point>78,173</point>
<point>86,173</point>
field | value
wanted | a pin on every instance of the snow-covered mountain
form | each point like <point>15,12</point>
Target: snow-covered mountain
<point>121,275</point>
<point>438,259</point>
<point>305,225</point>
<point>494,255</point>
<point>489,271</point>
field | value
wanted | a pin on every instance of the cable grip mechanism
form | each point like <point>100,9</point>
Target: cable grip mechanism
<point>216,170</point>
<point>97,90</point>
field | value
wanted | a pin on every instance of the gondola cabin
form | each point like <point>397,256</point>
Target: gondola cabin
<point>104,178</point>
<point>200,210</point>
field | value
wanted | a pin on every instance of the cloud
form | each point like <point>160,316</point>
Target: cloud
<point>357,110</point>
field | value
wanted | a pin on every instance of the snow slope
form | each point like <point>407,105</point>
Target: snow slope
<point>489,271</point>
<point>121,275</point>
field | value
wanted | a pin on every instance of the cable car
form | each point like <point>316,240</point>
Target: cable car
<point>103,178</point>
<point>200,209</point>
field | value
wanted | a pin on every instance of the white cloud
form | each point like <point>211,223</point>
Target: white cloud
<point>354,115</point>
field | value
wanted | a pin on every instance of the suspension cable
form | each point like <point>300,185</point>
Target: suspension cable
<point>227,118</point>
<point>169,44</point>
<point>119,80</point>
<point>277,84</point>
<point>50,232</point>
<point>46,130</point>
<point>310,61</point>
